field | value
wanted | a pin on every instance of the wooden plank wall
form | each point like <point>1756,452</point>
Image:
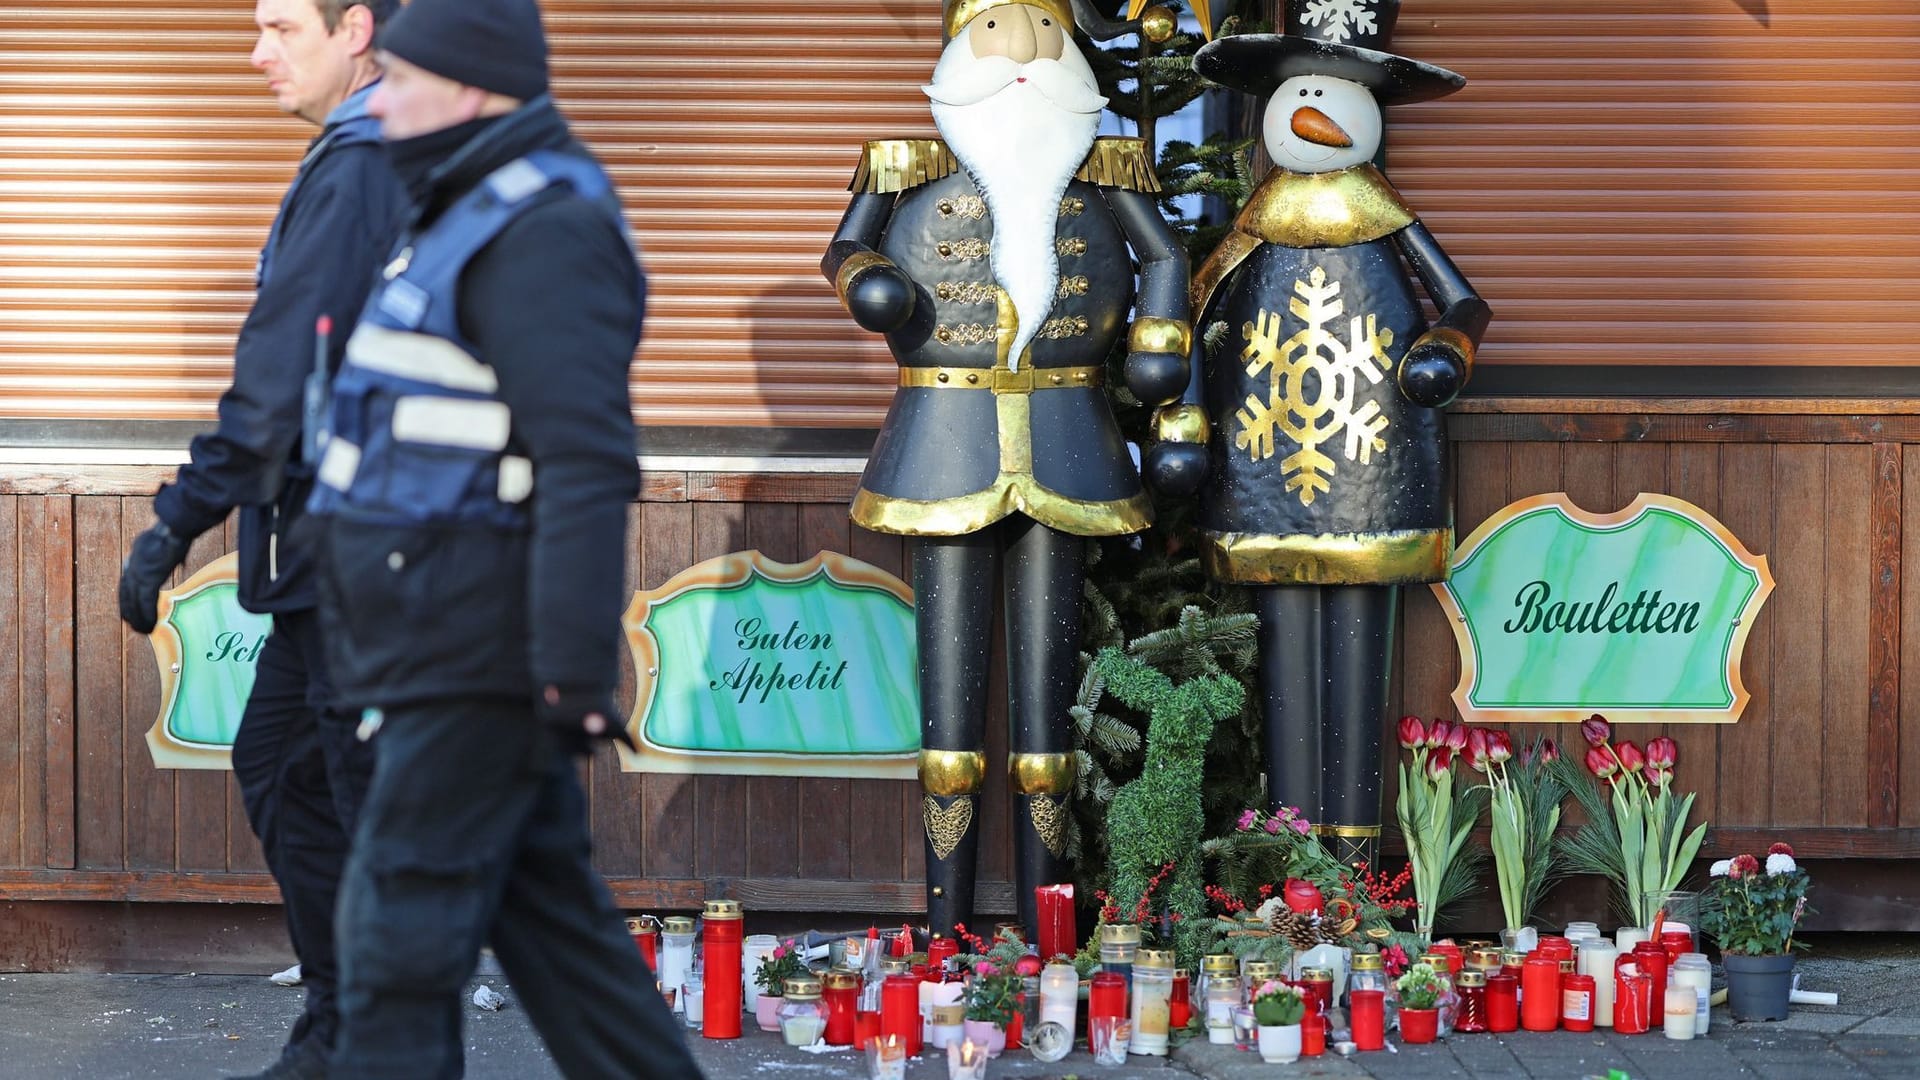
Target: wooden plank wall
<point>1818,759</point>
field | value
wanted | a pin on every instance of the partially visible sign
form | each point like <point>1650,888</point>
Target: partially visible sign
<point>754,667</point>
<point>206,647</point>
<point>1641,615</point>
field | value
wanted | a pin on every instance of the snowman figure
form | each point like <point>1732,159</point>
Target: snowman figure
<point>1325,477</point>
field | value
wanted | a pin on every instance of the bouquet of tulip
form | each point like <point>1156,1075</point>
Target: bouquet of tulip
<point>1436,817</point>
<point>1524,808</point>
<point>1636,833</point>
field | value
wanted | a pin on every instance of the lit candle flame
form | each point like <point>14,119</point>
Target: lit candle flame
<point>966,1052</point>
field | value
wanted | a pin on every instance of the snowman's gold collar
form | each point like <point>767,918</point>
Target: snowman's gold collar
<point>1308,210</point>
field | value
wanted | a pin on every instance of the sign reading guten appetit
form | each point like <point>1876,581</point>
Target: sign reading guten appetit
<point>206,646</point>
<point>753,667</point>
<point>1641,615</point>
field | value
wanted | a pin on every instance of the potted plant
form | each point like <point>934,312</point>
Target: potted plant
<point>1277,1009</point>
<point>1636,834</point>
<point>1419,989</point>
<point>1524,798</point>
<point>993,999</point>
<point>1752,911</point>
<point>771,977</point>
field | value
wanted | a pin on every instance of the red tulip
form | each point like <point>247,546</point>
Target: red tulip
<point>1438,734</point>
<point>1600,763</point>
<point>1549,751</point>
<point>1659,777</point>
<point>1302,896</point>
<point>1440,763</point>
<point>1499,747</point>
<point>1596,730</point>
<point>1631,759</point>
<point>1477,749</point>
<point>1661,753</point>
<point>1413,733</point>
<point>1027,966</point>
<point>1781,849</point>
<point>1457,738</point>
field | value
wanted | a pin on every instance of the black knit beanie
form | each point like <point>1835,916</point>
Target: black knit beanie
<point>496,45</point>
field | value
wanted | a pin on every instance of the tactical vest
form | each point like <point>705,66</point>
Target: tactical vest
<point>418,434</point>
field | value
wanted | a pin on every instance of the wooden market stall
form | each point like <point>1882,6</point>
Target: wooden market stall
<point>1696,221</point>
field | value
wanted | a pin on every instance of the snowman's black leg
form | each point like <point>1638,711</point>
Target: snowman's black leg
<point>1045,572</point>
<point>953,604</point>
<point>1291,683</point>
<point>1359,625</point>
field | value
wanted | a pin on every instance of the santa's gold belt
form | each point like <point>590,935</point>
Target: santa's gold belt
<point>1002,381</point>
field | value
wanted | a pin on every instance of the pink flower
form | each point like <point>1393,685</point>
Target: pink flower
<point>1549,751</point>
<point>1457,738</point>
<point>1477,749</point>
<point>779,952</point>
<point>1413,733</point>
<point>984,968</point>
<point>1273,826</point>
<point>1302,826</point>
<point>1596,730</point>
<point>1247,818</point>
<point>1499,747</point>
<point>1395,958</point>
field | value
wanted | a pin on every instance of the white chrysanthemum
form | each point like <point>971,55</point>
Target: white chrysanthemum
<point>1781,864</point>
<point>1720,868</point>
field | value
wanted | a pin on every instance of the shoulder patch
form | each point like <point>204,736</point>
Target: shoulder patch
<point>517,181</point>
<point>891,165</point>
<point>1120,162</point>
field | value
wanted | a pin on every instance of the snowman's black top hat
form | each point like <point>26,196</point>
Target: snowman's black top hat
<point>1347,39</point>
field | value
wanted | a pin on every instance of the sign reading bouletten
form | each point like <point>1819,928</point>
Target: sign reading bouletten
<point>207,647</point>
<point>750,666</point>
<point>1641,615</point>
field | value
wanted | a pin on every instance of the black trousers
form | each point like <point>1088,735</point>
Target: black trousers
<point>302,777</point>
<point>476,832</point>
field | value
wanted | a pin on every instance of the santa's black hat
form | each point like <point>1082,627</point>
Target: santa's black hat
<point>1346,39</point>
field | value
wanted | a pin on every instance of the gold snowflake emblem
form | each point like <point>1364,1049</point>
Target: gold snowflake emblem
<point>1312,383</point>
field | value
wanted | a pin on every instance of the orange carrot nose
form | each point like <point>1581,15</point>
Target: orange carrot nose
<point>1317,127</point>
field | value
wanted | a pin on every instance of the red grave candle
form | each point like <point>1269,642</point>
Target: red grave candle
<point>939,950</point>
<point>1313,1035</point>
<point>1368,1009</point>
<point>1056,933</point>
<point>1652,958</point>
<point>1540,992</point>
<point>1180,1007</point>
<point>1576,1002</point>
<point>1503,1003</point>
<point>1632,997</point>
<point>841,994</point>
<point>900,1011</point>
<point>1106,996</point>
<point>725,995</point>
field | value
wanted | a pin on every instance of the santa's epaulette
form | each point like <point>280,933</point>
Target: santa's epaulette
<point>892,165</point>
<point>1120,163</point>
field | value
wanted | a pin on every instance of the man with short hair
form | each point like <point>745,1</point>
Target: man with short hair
<point>474,494</point>
<point>301,772</point>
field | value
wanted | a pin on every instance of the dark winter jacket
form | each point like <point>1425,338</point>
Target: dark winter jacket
<point>552,305</point>
<point>324,252</point>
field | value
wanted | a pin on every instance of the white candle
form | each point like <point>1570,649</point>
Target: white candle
<point>1060,996</point>
<point>966,1060</point>
<point>1680,1008</point>
<point>932,996</point>
<point>1627,937</point>
<point>1596,959</point>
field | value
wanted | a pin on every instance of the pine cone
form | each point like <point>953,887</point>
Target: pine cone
<point>1299,930</point>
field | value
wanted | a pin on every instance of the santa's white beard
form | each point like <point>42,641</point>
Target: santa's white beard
<point>1022,149</point>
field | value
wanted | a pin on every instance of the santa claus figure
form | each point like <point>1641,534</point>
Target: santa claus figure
<point>1326,486</point>
<point>1000,263</point>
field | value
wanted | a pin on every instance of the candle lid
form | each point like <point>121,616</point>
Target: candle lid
<point>802,988</point>
<point>1314,974</point>
<point>1262,969</point>
<point>1479,943</point>
<point>1469,979</point>
<point>645,924</point>
<point>679,924</point>
<point>1484,958</point>
<point>841,979</point>
<point>896,965</point>
<point>1220,964</point>
<point>1156,959</point>
<point>722,910</point>
<point>1511,958</point>
<point>1120,934</point>
<point>1369,961</point>
<point>1436,959</point>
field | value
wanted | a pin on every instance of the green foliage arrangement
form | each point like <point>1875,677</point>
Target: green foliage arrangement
<point>1752,907</point>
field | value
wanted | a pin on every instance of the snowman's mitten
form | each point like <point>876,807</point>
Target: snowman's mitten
<point>1435,369</point>
<point>1176,464</point>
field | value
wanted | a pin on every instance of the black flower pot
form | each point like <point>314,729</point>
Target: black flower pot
<point>1758,987</point>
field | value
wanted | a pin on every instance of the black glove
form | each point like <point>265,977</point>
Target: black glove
<point>156,554</point>
<point>1176,469</point>
<point>578,717</point>
<point>1156,378</point>
<point>880,298</point>
<point>1432,375</point>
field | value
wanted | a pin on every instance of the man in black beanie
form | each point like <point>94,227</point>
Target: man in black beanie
<point>474,493</point>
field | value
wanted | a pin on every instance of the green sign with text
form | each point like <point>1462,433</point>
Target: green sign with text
<point>1641,615</point>
<point>207,647</point>
<point>749,666</point>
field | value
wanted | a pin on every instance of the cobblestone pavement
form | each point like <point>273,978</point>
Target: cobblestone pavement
<point>160,1027</point>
